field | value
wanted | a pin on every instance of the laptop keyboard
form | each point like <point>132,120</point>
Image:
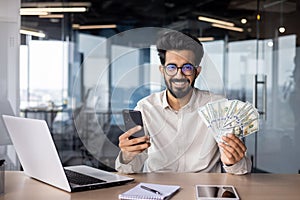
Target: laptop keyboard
<point>81,179</point>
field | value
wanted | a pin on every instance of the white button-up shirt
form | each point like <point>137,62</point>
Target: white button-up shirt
<point>180,140</point>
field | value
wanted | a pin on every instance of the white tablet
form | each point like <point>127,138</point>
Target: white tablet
<point>213,192</point>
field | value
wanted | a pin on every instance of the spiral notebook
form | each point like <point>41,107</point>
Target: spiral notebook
<point>147,191</point>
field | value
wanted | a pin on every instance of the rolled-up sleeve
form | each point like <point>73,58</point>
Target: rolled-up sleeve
<point>134,166</point>
<point>242,167</point>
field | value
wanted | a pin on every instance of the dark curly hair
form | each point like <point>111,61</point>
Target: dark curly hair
<point>174,40</point>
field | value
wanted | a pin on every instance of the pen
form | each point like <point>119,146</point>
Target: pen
<point>151,190</point>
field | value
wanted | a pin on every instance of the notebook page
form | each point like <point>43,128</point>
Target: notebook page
<point>138,192</point>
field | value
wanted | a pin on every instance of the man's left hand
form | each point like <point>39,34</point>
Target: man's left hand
<point>232,150</point>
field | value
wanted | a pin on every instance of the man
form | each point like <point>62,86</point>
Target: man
<point>177,139</point>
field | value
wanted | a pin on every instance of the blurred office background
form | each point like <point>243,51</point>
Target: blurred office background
<point>79,66</point>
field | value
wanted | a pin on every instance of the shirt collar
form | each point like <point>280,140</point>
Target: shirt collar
<point>165,103</point>
<point>189,105</point>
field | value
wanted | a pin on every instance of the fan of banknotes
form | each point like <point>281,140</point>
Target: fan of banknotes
<point>230,116</point>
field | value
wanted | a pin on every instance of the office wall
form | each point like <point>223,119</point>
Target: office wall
<point>9,68</point>
<point>9,51</point>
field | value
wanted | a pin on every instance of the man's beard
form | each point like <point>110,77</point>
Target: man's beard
<point>182,92</point>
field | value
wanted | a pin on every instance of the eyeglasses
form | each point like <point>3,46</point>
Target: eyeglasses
<point>172,69</point>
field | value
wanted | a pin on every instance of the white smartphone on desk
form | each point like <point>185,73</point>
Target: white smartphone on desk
<point>214,192</point>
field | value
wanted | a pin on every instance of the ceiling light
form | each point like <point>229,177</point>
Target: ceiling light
<point>33,13</point>
<point>33,33</point>
<point>52,16</point>
<point>281,29</point>
<point>228,27</point>
<point>77,26</point>
<point>258,17</point>
<point>243,21</point>
<point>54,9</point>
<point>55,4</point>
<point>270,44</point>
<point>207,19</point>
<point>205,39</point>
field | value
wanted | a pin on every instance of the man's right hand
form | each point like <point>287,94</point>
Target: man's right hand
<point>132,147</point>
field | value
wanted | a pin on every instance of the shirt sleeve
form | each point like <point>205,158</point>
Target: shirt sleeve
<point>242,167</point>
<point>134,166</point>
<point>137,164</point>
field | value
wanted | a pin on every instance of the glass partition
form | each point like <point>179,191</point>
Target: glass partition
<point>80,80</point>
<point>46,65</point>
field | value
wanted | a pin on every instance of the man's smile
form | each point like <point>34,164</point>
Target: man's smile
<point>180,83</point>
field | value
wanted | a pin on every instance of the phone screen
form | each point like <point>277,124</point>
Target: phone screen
<point>133,118</point>
<point>216,192</point>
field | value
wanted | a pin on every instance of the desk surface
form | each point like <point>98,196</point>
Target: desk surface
<point>251,186</point>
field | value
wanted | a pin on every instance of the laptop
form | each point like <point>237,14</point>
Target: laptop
<point>39,158</point>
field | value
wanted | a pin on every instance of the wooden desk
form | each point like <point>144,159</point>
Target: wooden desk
<point>252,186</point>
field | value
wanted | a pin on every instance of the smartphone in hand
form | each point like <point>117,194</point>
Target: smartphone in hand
<point>133,118</point>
